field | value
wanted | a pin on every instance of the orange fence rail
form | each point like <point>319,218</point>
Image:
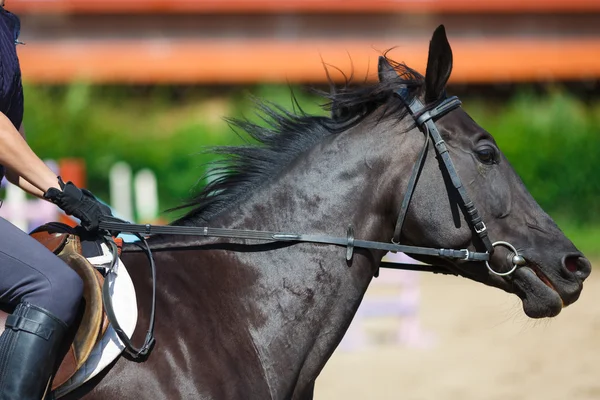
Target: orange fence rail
<point>305,6</point>
<point>250,61</point>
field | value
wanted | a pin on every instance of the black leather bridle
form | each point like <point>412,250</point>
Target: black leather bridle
<point>425,120</point>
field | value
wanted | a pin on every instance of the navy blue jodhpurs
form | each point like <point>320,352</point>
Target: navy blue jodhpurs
<point>30,272</point>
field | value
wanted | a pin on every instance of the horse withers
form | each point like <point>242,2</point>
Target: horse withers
<point>247,319</point>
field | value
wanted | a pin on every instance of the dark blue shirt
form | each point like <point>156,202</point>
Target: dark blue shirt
<point>11,89</point>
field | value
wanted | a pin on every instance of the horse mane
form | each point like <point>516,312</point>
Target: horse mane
<point>286,135</point>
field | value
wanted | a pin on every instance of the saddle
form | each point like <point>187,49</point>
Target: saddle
<point>64,241</point>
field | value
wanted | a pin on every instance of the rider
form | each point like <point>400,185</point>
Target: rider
<point>43,292</point>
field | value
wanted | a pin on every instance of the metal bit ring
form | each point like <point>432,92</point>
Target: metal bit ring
<point>517,259</point>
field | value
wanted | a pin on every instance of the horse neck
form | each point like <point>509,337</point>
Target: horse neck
<point>308,294</point>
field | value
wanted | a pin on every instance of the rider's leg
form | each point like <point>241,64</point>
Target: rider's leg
<point>47,294</point>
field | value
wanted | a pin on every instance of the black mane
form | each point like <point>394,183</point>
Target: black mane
<point>287,135</point>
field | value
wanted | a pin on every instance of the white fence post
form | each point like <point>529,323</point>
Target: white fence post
<point>146,196</point>
<point>120,190</point>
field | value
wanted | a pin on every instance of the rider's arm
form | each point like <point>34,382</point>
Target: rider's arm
<point>24,168</point>
<point>32,175</point>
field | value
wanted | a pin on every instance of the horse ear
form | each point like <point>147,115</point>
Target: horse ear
<point>439,65</point>
<point>385,70</point>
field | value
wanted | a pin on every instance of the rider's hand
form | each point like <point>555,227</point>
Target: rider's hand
<point>79,203</point>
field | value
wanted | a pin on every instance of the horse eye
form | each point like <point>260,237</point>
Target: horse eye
<point>486,155</point>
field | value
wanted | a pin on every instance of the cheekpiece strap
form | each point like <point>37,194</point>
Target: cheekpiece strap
<point>425,121</point>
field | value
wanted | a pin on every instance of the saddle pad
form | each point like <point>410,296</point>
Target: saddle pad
<point>110,346</point>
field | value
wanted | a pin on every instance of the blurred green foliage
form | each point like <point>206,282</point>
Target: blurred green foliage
<point>551,139</point>
<point>146,127</point>
<point>553,142</point>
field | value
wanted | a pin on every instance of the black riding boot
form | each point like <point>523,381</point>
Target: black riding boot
<point>28,351</point>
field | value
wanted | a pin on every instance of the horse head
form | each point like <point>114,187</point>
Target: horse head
<point>551,271</point>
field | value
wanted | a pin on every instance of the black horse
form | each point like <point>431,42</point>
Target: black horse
<point>240,319</point>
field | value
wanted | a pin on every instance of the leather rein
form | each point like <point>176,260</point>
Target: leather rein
<point>425,121</point>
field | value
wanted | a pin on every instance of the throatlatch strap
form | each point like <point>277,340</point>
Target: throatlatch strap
<point>410,188</point>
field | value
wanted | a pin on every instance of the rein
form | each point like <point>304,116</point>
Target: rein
<point>115,224</point>
<point>425,121</point>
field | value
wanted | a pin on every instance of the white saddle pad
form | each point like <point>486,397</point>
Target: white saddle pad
<point>110,346</point>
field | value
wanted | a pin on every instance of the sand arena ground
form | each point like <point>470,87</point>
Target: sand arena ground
<point>484,348</point>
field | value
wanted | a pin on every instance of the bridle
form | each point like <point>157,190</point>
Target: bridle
<point>425,120</point>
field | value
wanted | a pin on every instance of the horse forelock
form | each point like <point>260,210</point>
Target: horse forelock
<point>286,135</point>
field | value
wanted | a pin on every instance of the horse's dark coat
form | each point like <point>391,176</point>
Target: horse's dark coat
<point>241,320</point>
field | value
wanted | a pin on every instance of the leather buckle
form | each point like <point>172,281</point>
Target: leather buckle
<point>483,229</point>
<point>467,254</point>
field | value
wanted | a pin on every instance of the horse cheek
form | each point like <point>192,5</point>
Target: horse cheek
<point>500,201</point>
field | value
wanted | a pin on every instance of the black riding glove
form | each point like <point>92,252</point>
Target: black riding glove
<point>79,203</point>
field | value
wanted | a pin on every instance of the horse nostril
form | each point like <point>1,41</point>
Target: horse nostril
<point>580,266</point>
